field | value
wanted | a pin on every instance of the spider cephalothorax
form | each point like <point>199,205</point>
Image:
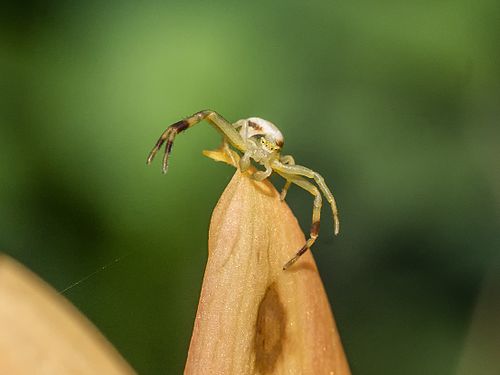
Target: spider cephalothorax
<point>261,141</point>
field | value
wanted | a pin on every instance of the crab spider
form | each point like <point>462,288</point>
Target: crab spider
<point>261,141</point>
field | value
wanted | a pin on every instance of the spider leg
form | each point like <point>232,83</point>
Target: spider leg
<point>233,155</point>
<point>220,123</point>
<point>286,159</point>
<point>243,125</point>
<point>245,162</point>
<point>285,190</point>
<point>306,172</point>
<point>316,214</point>
<point>262,175</point>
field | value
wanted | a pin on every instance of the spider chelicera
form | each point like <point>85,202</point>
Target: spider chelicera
<point>261,141</point>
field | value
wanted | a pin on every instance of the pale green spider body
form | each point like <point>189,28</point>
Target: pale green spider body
<point>261,141</point>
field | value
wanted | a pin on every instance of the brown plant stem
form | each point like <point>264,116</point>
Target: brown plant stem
<point>253,317</point>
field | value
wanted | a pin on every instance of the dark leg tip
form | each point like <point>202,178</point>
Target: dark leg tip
<point>290,262</point>
<point>149,159</point>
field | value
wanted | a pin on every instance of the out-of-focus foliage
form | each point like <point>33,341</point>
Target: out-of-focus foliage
<point>395,103</point>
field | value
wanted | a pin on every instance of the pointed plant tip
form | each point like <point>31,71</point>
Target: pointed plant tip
<point>277,320</point>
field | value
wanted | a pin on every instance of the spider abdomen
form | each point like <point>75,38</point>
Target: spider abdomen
<point>258,126</point>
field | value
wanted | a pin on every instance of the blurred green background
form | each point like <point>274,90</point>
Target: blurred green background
<point>395,103</point>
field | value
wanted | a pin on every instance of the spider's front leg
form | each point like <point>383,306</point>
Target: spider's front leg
<point>220,123</point>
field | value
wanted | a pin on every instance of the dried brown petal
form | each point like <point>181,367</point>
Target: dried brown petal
<point>253,317</point>
<point>41,333</point>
